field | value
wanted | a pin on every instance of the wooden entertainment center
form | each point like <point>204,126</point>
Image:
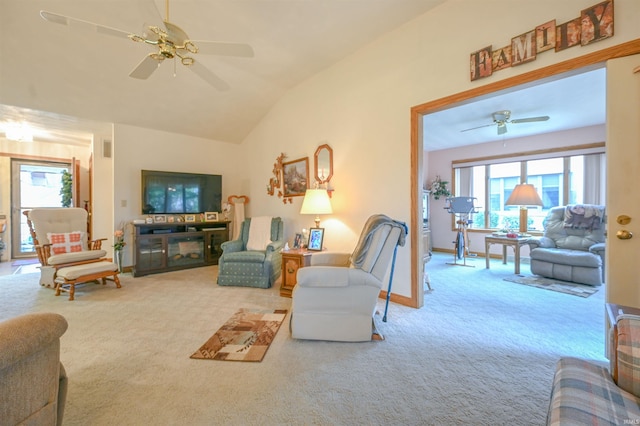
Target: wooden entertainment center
<point>163,247</point>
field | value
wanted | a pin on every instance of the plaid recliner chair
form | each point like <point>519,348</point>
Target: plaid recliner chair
<point>246,266</point>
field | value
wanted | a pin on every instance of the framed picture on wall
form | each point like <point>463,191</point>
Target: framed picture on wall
<point>316,235</point>
<point>295,176</point>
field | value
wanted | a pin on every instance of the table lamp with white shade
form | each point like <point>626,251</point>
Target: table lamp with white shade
<point>524,195</point>
<point>317,202</point>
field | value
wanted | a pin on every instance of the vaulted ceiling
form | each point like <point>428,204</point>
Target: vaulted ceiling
<point>66,81</point>
<point>83,76</point>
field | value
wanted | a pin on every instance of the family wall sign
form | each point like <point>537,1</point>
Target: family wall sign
<point>594,24</point>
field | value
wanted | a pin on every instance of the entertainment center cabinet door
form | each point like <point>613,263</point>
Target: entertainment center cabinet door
<point>150,254</point>
<point>213,240</point>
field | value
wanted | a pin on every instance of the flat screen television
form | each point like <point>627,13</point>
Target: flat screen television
<point>180,193</point>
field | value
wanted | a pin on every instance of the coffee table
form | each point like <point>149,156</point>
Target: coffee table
<point>516,243</point>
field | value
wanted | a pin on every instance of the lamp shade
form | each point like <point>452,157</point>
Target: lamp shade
<point>524,194</point>
<point>316,201</point>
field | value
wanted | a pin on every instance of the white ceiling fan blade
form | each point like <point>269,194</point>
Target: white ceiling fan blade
<point>208,76</point>
<point>145,68</point>
<point>223,48</point>
<point>79,24</point>
<point>479,127</point>
<point>530,119</point>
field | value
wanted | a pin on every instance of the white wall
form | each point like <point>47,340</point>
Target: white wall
<point>137,148</point>
<point>361,107</point>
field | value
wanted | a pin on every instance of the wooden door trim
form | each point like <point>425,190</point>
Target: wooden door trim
<point>589,60</point>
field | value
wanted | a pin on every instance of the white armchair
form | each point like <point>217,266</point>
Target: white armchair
<point>60,238</point>
<point>335,298</point>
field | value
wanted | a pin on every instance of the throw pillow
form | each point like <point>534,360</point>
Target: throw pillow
<point>68,242</point>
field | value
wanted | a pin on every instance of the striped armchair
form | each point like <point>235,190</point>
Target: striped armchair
<point>586,393</point>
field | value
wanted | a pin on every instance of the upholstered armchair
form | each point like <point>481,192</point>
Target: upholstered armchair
<point>254,259</point>
<point>60,238</point>
<point>573,244</point>
<point>336,297</point>
<point>33,383</point>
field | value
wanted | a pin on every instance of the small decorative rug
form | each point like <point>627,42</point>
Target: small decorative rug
<point>21,262</point>
<point>246,336</point>
<point>574,289</point>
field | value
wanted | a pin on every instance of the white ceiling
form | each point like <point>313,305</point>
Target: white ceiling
<point>83,77</point>
<point>571,102</point>
<point>68,83</point>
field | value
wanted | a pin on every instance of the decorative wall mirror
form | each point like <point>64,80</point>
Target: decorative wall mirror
<point>323,164</point>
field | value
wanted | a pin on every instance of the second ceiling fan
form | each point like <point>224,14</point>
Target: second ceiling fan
<point>502,118</point>
<point>170,42</point>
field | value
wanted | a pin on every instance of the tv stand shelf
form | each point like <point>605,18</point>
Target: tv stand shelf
<point>163,247</point>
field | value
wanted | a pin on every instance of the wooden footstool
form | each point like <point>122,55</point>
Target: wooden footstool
<point>73,275</point>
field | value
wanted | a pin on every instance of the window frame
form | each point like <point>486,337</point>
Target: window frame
<point>564,153</point>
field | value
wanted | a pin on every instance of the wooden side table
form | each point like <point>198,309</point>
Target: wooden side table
<point>516,243</point>
<point>292,260</point>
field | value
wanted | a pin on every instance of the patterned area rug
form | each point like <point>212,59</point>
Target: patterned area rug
<point>246,336</point>
<point>554,285</point>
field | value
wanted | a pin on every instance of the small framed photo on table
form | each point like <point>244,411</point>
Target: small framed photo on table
<point>297,241</point>
<point>159,218</point>
<point>189,217</point>
<point>211,216</point>
<point>316,235</point>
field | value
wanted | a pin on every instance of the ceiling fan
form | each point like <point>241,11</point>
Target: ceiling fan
<point>502,118</point>
<point>170,42</point>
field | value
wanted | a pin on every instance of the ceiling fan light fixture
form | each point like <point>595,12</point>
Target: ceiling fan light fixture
<point>187,60</point>
<point>501,116</point>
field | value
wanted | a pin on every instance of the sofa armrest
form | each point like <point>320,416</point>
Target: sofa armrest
<point>540,242</point>
<point>330,259</point>
<point>231,246</point>
<point>275,246</point>
<point>598,249</point>
<point>626,348</point>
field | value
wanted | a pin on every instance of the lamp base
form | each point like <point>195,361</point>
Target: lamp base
<point>524,220</point>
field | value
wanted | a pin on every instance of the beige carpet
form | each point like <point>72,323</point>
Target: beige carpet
<point>480,352</point>
<point>246,336</point>
<point>573,289</point>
